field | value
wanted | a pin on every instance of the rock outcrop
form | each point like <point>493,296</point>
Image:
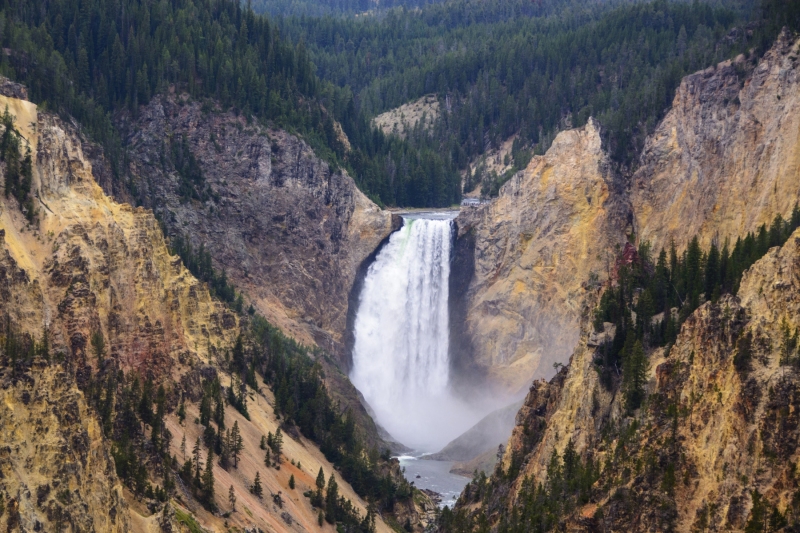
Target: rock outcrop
<point>726,157</point>
<point>407,117</point>
<point>88,266</point>
<point>725,430</point>
<point>525,260</point>
<point>56,473</point>
<point>715,443</point>
<point>289,230</point>
<point>723,161</point>
<point>92,265</point>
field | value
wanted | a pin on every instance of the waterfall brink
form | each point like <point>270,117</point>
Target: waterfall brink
<point>400,355</point>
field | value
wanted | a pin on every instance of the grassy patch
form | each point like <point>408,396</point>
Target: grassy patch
<point>188,520</point>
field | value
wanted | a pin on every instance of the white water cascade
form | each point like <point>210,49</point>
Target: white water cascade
<point>400,355</point>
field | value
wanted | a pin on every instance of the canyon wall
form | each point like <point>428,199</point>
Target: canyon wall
<point>714,446</point>
<point>721,428</point>
<point>526,260</point>
<point>723,161</point>
<point>289,230</point>
<point>89,265</point>
<point>96,265</point>
<point>726,157</point>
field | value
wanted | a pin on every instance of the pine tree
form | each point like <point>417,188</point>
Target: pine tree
<point>277,444</point>
<point>196,457</point>
<point>225,450</point>
<point>758,514</point>
<point>98,346</point>
<point>320,479</point>
<point>317,498</point>
<point>181,412</point>
<point>219,413</point>
<point>712,274</point>
<point>291,482</point>
<point>694,271</point>
<point>208,478</point>
<point>205,409</point>
<point>236,444</point>
<point>232,498</point>
<point>634,377</point>
<point>158,420</point>
<point>332,500</point>
<point>256,488</point>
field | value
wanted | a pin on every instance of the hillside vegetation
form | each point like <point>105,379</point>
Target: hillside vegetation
<point>528,69</point>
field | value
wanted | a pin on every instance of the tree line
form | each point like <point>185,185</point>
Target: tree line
<point>512,68</point>
<point>90,60</point>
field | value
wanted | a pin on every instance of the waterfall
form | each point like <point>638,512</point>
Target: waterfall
<point>400,355</point>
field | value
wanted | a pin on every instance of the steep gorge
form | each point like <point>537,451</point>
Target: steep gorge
<point>714,447</point>
<point>721,429</point>
<point>87,267</point>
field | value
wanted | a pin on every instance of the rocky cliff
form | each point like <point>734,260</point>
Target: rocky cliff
<point>713,447</point>
<point>524,261</point>
<point>88,267</point>
<point>725,159</point>
<point>57,474</point>
<point>289,230</point>
<point>95,265</point>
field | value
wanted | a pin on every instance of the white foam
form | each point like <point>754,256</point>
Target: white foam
<point>400,357</point>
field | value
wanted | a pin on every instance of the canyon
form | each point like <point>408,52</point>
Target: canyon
<point>296,238</point>
<point>714,445</point>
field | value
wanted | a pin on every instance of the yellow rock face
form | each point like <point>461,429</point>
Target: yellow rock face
<point>736,431</point>
<point>552,228</point>
<point>724,160</point>
<point>726,157</point>
<point>90,265</point>
<point>93,265</point>
<point>101,266</point>
<point>55,467</point>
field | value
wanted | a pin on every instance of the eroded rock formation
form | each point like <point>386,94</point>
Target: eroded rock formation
<point>713,448</point>
<point>724,160</point>
<point>529,256</point>
<point>88,266</point>
<point>289,230</point>
<point>722,429</point>
<point>726,157</point>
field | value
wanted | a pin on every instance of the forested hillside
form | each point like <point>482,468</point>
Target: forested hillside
<point>519,68</point>
<point>329,7</point>
<point>501,69</point>
<point>91,59</point>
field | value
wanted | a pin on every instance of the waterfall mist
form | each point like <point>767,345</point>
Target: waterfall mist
<point>400,354</point>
